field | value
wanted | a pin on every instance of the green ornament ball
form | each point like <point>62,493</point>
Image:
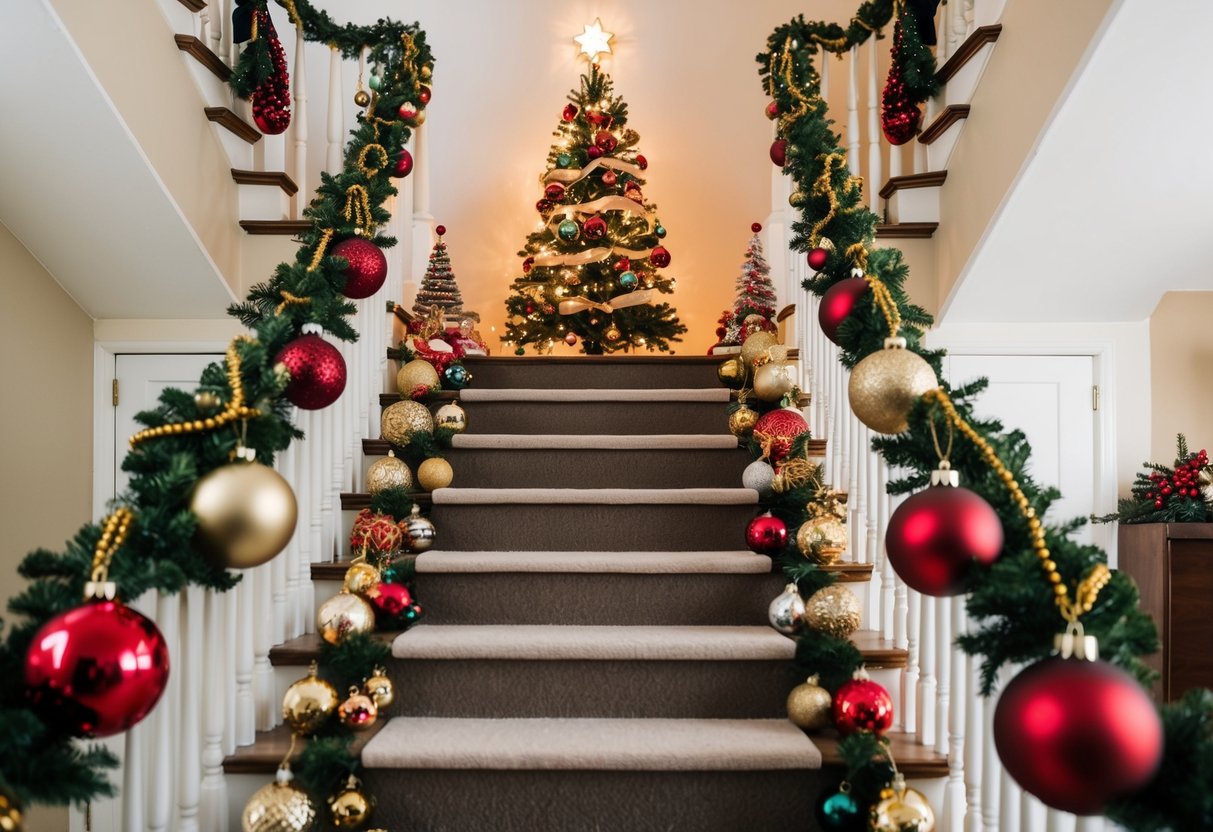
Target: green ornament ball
<point>840,813</point>
<point>455,377</point>
<point>628,280</point>
<point>659,231</point>
<point>564,160</point>
<point>519,351</point>
<point>569,230</point>
<point>374,81</point>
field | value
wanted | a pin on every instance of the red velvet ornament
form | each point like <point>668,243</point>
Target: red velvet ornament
<point>554,192</point>
<point>605,141</point>
<point>1077,734</point>
<point>96,670</point>
<point>779,152</point>
<point>404,165</point>
<point>766,534</point>
<point>642,162</point>
<point>622,264</point>
<point>570,112</point>
<point>595,228</point>
<point>593,152</point>
<point>862,705</point>
<point>818,258</point>
<point>756,227</point>
<point>777,429</point>
<point>390,601</point>
<point>527,265</point>
<point>317,372</point>
<point>936,536</point>
<point>659,257</point>
<point>609,178</point>
<point>899,116</point>
<point>772,110</point>
<point>271,100</point>
<point>837,303</point>
<point>424,94</point>
<point>367,267</point>
<point>440,230</point>
<point>544,206</point>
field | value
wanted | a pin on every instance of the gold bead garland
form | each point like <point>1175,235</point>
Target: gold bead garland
<point>113,535</point>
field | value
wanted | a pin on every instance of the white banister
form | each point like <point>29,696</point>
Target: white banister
<point>266,580</point>
<point>299,127</point>
<point>284,579</point>
<point>246,721</point>
<point>927,682</point>
<point>975,740</point>
<point>213,804</point>
<point>911,679</point>
<point>943,671</point>
<point>423,220</point>
<point>204,25</point>
<point>159,783</point>
<point>991,769</point>
<point>221,34</point>
<point>889,617</point>
<point>874,182</point>
<point>217,26</point>
<point>959,705</point>
<point>335,121</point>
<point>227,671</point>
<point>853,157</point>
<point>189,752</point>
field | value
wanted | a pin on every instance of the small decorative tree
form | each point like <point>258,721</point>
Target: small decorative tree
<point>438,286</point>
<point>754,308</point>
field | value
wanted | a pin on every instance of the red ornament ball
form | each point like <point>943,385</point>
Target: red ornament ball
<point>595,228</point>
<point>936,536</point>
<point>779,152</point>
<point>818,258</point>
<point>317,372</point>
<point>571,339</point>
<point>440,230</point>
<point>837,303</point>
<point>96,670</point>
<point>593,152</point>
<point>605,141</point>
<point>622,264</point>
<point>609,178</point>
<point>544,206</point>
<point>756,227</point>
<point>1077,734</point>
<point>367,267</point>
<point>570,112</point>
<point>407,111</point>
<point>777,428</point>
<point>527,265</point>
<point>554,192</point>
<point>390,602</point>
<point>659,257</point>
<point>424,94</point>
<point>596,117</point>
<point>766,534</point>
<point>862,705</point>
<point>404,165</point>
<point>772,110</point>
<point>642,162</point>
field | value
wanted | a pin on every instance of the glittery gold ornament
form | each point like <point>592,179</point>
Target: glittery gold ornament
<point>451,417</point>
<point>388,472</point>
<point>279,807</point>
<point>756,345</point>
<point>245,514</point>
<point>342,615</point>
<point>10,815</point>
<point>835,610</point>
<point>732,373</point>
<point>380,688</point>
<point>308,703</point>
<point>772,380</point>
<point>414,374</point>
<point>902,809</point>
<point>360,578</point>
<point>886,385</point>
<point>404,418</point>
<point>612,333</point>
<point>362,98</point>
<point>742,420</point>
<point>435,472</point>
<point>351,807</point>
<point>810,705</point>
<point>358,711</point>
<point>822,539</point>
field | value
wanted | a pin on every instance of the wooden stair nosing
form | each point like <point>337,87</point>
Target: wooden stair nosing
<point>913,758</point>
<point>965,52</point>
<point>536,360</point>
<point>202,53</point>
<point>388,399</point>
<point>380,447</point>
<point>292,228</point>
<point>930,179</point>
<point>270,747</point>
<point>302,651</point>
<point>948,116</point>
<point>359,501</point>
<point>274,178</point>
<point>906,230</point>
<point>193,5</point>
<point>229,120</point>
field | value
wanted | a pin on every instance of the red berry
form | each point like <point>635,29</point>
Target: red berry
<point>1158,504</point>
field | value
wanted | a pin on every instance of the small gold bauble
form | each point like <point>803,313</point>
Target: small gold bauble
<point>10,815</point>
<point>308,703</point>
<point>360,578</point>
<point>245,513</point>
<point>732,373</point>
<point>362,98</point>
<point>351,808</point>
<point>426,72</point>
<point>612,333</point>
<point>416,373</point>
<point>435,472</point>
<point>822,539</point>
<point>388,472</point>
<point>902,809</point>
<point>278,807</point>
<point>742,421</point>
<point>380,688</point>
<point>342,615</point>
<point>358,711</point>
<point>834,610</point>
<point>756,345</point>
<point>810,706</point>
<point>208,403</point>
<point>797,198</point>
<point>886,385</point>
<point>404,418</point>
<point>451,418</point>
<point>772,380</point>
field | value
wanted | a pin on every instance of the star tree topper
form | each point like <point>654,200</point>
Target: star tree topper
<point>594,41</point>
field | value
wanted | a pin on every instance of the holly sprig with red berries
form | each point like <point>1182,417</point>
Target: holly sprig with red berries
<point>1170,494</point>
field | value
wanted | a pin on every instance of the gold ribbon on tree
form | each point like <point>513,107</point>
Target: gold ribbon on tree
<point>614,202</point>
<point>572,306</point>
<point>566,176</point>
<point>590,255</point>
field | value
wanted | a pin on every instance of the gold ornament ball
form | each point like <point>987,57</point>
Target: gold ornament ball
<point>822,539</point>
<point>419,532</point>
<point>360,578</point>
<point>612,333</point>
<point>435,472</point>
<point>380,688</point>
<point>10,815</point>
<point>388,472</point>
<point>342,615</point>
<point>308,704</point>
<point>207,402</point>
<point>451,417</point>
<point>772,380</point>
<point>886,385</point>
<point>362,98</point>
<point>834,610</point>
<point>350,808</point>
<point>810,706</point>
<point>416,373</point>
<point>246,514</point>
<point>756,345</point>
<point>358,711</point>
<point>403,418</point>
<point>902,809</point>
<point>742,421</point>
<point>278,807</point>
<point>732,373</point>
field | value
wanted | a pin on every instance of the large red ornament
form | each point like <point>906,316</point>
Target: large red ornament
<point>424,94</point>
<point>779,152</point>
<point>818,258</point>
<point>96,670</point>
<point>899,116</point>
<point>1077,734</point>
<point>642,162</point>
<point>837,303</point>
<point>659,257</point>
<point>390,602</point>
<point>766,534</point>
<point>272,99</point>
<point>367,267</point>
<point>862,705</point>
<point>605,141</point>
<point>595,228</point>
<point>317,372</point>
<point>570,112</point>
<point>776,430</point>
<point>936,536</point>
<point>554,192</point>
<point>404,164</point>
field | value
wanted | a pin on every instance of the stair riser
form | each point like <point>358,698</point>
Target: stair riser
<point>532,417</point>
<point>596,689</point>
<point>591,374</point>
<point>591,528</point>
<point>558,468</point>
<point>579,801</point>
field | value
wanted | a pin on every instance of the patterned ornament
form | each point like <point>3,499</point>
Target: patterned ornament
<point>755,346</point>
<point>390,602</point>
<point>96,670</point>
<point>401,419</point>
<point>776,429</point>
<point>366,269</point>
<point>899,115</point>
<point>380,688</point>
<point>612,333</point>
<point>569,230</point>
<point>309,703</point>
<point>451,418</point>
<point>834,610</point>
<point>388,472</point>
<point>419,532</point>
<point>862,705</point>
<point>455,377</point>
<point>742,420</point>
<point>822,539</point>
<point>10,814</point>
<point>885,386</point>
<point>279,807</point>
<point>351,808</point>
<point>902,809</point>
<point>407,111</point>
<point>414,374</point>
<point>786,612</point>
<point>773,380</point>
<point>376,532</point>
<point>605,141</point>
<point>404,164</point>
<point>271,100</point>
<point>358,711</point>
<point>317,371</point>
<point>732,373</point>
<point>245,515</point>
<point>628,281</point>
<point>838,302</point>
<point>361,577</point>
<point>595,228</point>
<point>766,534</point>
<point>840,812</point>
<point>779,152</point>
<point>659,257</point>
<point>343,615</point>
<point>760,476</point>
<point>435,472</point>
<point>810,706</point>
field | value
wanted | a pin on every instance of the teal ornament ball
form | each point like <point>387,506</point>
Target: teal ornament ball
<point>564,160</point>
<point>374,81</point>
<point>840,813</point>
<point>659,231</point>
<point>628,280</point>
<point>456,377</point>
<point>569,230</point>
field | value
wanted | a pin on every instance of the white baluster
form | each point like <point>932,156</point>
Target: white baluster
<point>189,756</point>
<point>943,671</point>
<point>1032,812</point>
<point>217,25</point>
<point>284,578</point>
<point>853,157</point>
<point>927,683</point>
<point>911,678</point>
<point>825,74</point>
<point>1056,821</point>
<point>329,499</point>
<point>895,160</point>
<point>856,503</point>
<point>213,811</point>
<point>961,701</point>
<point>992,773</point>
<point>227,670</point>
<point>204,25</point>
<point>874,183</point>
<point>1090,824</point>
<point>880,621</point>
<point>1010,802</point>
<point>975,740</point>
<point>267,580</point>
<point>890,627</point>
<point>335,118</point>
<point>136,749</point>
<point>299,122</point>
<point>943,42</point>
<point>423,220</point>
<point>162,761</point>
<point>222,32</point>
<point>246,719</point>
<point>317,492</point>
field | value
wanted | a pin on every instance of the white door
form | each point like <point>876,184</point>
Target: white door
<point>1050,399</point>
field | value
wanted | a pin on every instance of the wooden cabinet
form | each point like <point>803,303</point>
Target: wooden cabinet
<point>1172,564</point>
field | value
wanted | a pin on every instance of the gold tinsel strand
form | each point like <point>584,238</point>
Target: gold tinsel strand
<point>113,535</point>
<point>290,300</point>
<point>369,171</point>
<point>325,237</point>
<point>358,207</point>
<point>884,301</point>
<point>822,187</point>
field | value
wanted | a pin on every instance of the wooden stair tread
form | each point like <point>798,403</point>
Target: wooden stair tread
<point>230,121</point>
<point>193,5</point>
<point>913,758</point>
<point>358,500</point>
<point>270,747</point>
<point>273,178</point>
<point>930,179</point>
<point>965,52</point>
<point>948,116</point>
<point>305,649</point>
<point>906,230</point>
<point>292,228</point>
<point>200,52</point>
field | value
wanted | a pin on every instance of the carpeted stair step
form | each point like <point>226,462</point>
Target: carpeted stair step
<point>530,411</point>
<point>592,519</point>
<point>573,775</point>
<point>593,371</point>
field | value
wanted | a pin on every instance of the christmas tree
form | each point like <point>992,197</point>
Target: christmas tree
<point>592,272</point>
<point>438,286</point>
<point>754,308</point>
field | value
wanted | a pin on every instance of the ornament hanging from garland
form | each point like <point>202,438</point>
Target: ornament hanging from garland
<point>344,615</point>
<point>901,809</point>
<point>351,808</point>
<point>414,374</point>
<point>779,152</point>
<point>390,602</point>
<point>245,514</point>
<point>776,429</point>
<point>787,610</point>
<point>756,345</point>
<point>451,418</point>
<point>837,303</point>
<point>380,688</point>
<point>367,267</point>
<point>376,532</point>
<point>840,812</point>
<point>388,472</point>
<point>435,472</point>
<point>316,367</point>
<point>400,420</point>
<point>361,577</point>
<point>404,164</point>
<point>766,534</point>
<point>742,420</point>
<point>862,705</point>
<point>885,386</point>
<point>419,532</point>
<point>760,476</point>
<point>835,610</point>
<point>358,711</point>
<point>261,75</point>
<point>279,807</point>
